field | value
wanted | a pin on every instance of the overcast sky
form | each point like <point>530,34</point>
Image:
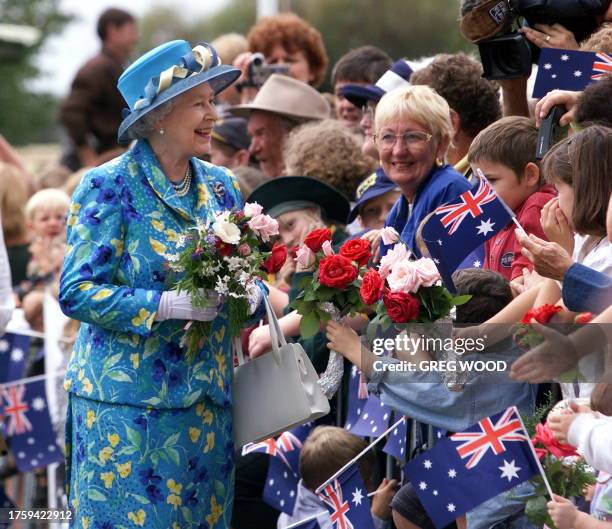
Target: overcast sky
<point>64,53</point>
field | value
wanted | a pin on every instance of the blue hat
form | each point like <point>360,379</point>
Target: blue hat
<point>397,76</point>
<point>378,183</point>
<point>166,72</point>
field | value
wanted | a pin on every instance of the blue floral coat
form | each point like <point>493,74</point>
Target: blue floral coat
<point>124,219</point>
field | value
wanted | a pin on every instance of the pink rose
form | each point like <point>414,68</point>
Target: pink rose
<point>396,254</point>
<point>305,256</point>
<point>404,277</point>
<point>264,226</point>
<point>327,248</point>
<point>244,250</point>
<point>252,209</point>
<point>427,271</point>
<point>389,235</point>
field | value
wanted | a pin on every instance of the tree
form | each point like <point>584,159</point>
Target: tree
<point>27,116</point>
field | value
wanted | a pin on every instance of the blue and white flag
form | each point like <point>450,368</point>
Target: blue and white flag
<point>28,427</point>
<point>569,70</point>
<point>13,354</point>
<point>281,486</point>
<point>457,228</point>
<point>396,442</point>
<point>357,397</point>
<point>374,419</point>
<point>468,468</point>
<point>346,499</point>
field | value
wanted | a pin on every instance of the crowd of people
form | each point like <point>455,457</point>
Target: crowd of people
<point>209,127</point>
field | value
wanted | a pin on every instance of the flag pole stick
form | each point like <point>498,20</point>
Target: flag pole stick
<point>309,519</point>
<point>535,456</point>
<point>29,380</point>
<point>376,441</point>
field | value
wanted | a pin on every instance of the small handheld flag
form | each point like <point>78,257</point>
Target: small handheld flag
<point>569,70</point>
<point>455,229</point>
<point>466,469</point>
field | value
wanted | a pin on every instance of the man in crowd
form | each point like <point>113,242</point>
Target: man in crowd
<point>91,113</point>
<point>280,105</point>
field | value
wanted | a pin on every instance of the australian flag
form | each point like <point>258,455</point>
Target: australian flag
<point>283,476</point>
<point>346,499</point>
<point>569,70</point>
<point>466,469</point>
<point>396,442</point>
<point>28,427</point>
<point>357,397</point>
<point>455,229</point>
<point>374,419</point>
<point>13,352</point>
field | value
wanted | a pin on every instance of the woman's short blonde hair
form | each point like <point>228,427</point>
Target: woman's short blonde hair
<point>50,199</point>
<point>420,103</point>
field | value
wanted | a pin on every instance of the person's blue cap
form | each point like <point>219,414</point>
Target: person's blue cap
<point>166,72</point>
<point>378,183</point>
<point>397,76</point>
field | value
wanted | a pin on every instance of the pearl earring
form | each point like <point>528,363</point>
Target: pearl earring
<point>162,132</point>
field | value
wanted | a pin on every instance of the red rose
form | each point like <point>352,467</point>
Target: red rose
<point>401,306</point>
<point>293,252</point>
<point>315,239</point>
<point>276,259</point>
<point>357,250</point>
<point>223,248</point>
<point>336,271</point>
<point>372,287</point>
<point>541,314</point>
<point>544,435</point>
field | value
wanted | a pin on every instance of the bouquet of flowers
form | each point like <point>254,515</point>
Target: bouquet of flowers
<point>567,473</point>
<point>332,292</point>
<point>406,291</point>
<point>224,255</point>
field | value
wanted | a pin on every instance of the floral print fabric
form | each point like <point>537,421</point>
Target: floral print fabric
<point>132,467</point>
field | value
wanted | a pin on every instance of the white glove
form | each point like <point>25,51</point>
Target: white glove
<point>178,306</point>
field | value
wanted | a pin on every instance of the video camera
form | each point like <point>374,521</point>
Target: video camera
<point>259,70</point>
<point>504,52</point>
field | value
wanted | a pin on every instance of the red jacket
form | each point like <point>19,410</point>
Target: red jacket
<point>503,252</point>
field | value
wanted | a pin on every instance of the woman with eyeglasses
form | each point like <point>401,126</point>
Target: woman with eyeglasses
<point>412,132</point>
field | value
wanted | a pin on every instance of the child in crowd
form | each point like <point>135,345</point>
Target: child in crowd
<point>326,450</point>
<point>46,217</point>
<point>574,427</point>
<point>505,153</point>
<point>374,198</point>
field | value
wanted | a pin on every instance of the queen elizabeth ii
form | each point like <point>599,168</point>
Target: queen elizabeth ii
<point>149,431</point>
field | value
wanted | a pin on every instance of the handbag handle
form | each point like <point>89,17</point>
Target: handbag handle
<point>278,339</point>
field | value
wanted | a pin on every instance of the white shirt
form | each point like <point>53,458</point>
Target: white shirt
<point>6,291</point>
<point>592,436</point>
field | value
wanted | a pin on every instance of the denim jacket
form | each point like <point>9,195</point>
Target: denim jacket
<point>125,218</point>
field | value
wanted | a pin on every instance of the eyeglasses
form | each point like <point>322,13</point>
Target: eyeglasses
<point>412,139</point>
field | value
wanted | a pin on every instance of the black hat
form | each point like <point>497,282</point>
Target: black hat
<point>232,132</point>
<point>292,193</point>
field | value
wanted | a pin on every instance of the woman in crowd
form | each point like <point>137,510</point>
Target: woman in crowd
<point>288,40</point>
<point>413,133</point>
<point>149,431</point>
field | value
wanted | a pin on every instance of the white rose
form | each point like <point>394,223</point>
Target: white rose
<point>228,232</point>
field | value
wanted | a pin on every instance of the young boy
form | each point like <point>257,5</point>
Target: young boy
<point>361,66</point>
<point>505,153</point>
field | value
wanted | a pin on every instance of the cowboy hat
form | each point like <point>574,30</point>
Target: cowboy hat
<point>292,193</point>
<point>166,72</point>
<point>287,97</point>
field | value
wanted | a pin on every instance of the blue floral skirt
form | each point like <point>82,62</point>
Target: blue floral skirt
<point>136,467</point>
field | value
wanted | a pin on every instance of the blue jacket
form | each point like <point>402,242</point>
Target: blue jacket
<point>586,290</point>
<point>124,219</point>
<point>442,185</point>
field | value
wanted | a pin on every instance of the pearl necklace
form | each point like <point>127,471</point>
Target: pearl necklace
<point>182,188</point>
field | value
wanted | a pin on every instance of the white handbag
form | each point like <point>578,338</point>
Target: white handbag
<point>275,391</point>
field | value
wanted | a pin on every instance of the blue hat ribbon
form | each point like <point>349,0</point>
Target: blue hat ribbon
<point>202,57</point>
